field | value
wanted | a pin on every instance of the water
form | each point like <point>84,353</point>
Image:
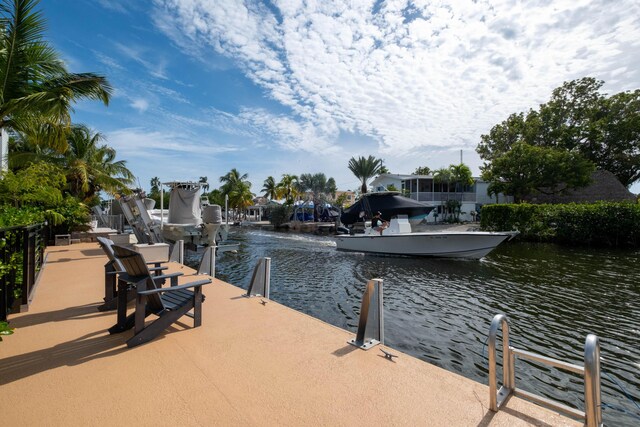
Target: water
<point>440,310</point>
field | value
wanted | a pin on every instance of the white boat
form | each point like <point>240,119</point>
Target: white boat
<point>398,240</point>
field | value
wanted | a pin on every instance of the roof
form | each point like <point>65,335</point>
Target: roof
<point>604,187</point>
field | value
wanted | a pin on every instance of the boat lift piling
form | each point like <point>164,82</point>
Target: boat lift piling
<point>371,322</point>
<point>261,279</point>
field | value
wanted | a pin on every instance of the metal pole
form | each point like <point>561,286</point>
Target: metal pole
<point>267,277</point>
<point>380,311</point>
<point>161,207</point>
<point>226,212</point>
<point>508,360</point>
<point>592,396</point>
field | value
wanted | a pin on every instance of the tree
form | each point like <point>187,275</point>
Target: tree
<point>577,118</point>
<point>461,177</point>
<point>287,188</point>
<point>443,176</point>
<point>241,197</point>
<point>527,169</point>
<point>34,82</point>
<point>203,181</point>
<point>238,189</point>
<point>422,170</point>
<point>270,188</point>
<point>364,168</point>
<point>383,168</point>
<point>231,180</point>
<point>331,187</point>
<point>90,167</point>
<point>155,185</point>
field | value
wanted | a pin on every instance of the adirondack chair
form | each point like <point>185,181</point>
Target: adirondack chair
<point>111,270</point>
<point>169,303</point>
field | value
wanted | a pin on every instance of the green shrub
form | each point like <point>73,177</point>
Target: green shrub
<point>597,224</point>
<point>280,215</point>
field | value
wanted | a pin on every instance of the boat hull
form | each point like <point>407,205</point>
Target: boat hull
<point>472,245</point>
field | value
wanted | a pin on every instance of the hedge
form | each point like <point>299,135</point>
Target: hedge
<point>597,224</point>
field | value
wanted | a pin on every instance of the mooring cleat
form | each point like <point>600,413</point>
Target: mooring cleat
<point>388,355</point>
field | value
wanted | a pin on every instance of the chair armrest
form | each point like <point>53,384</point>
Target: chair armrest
<point>155,269</point>
<point>155,263</point>
<point>167,276</point>
<point>176,288</point>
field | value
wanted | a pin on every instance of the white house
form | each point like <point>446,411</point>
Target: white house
<point>424,188</point>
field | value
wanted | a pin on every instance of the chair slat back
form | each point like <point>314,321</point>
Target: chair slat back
<point>136,267</point>
<point>107,247</point>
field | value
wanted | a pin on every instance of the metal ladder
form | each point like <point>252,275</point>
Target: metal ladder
<point>592,415</point>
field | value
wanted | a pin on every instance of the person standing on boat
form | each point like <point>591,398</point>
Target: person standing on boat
<point>379,224</point>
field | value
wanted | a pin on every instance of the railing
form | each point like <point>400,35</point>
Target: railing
<point>442,197</point>
<point>21,257</point>
<point>592,415</point>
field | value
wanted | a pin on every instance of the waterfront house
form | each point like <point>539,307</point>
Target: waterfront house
<point>424,188</point>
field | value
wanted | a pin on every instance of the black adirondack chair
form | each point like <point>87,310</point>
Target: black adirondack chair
<point>168,303</point>
<point>111,270</point>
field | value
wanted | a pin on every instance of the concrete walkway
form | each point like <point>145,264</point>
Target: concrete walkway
<point>249,364</point>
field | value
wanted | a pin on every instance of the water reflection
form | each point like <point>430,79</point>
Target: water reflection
<point>440,310</point>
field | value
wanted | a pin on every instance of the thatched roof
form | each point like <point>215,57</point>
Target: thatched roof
<point>604,187</point>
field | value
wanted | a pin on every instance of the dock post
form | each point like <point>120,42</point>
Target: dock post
<point>371,322</point>
<point>261,279</point>
<point>177,252</point>
<point>208,262</point>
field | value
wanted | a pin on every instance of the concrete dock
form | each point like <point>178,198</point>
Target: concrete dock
<point>249,364</point>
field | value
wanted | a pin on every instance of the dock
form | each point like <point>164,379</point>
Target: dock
<point>251,363</point>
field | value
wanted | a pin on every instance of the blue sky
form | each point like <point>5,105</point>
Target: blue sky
<point>274,87</point>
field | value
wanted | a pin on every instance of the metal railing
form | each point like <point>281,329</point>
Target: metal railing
<point>21,257</point>
<point>442,197</point>
<point>592,415</point>
<point>371,322</point>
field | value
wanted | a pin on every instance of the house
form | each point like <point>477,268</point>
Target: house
<point>349,197</point>
<point>424,188</point>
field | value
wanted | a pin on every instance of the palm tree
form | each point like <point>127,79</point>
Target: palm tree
<point>241,197</point>
<point>461,175</point>
<point>34,83</point>
<point>89,167</point>
<point>155,185</point>
<point>287,186</point>
<point>364,168</point>
<point>204,182</point>
<point>442,176</point>
<point>270,188</point>
<point>232,180</point>
<point>237,188</point>
<point>92,168</point>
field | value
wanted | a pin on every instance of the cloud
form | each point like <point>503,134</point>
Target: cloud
<point>140,104</point>
<point>153,63</point>
<point>141,143</point>
<point>407,75</point>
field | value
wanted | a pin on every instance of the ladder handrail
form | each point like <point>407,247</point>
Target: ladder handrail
<point>591,372</point>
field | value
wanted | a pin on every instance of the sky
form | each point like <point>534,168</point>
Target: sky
<point>277,87</point>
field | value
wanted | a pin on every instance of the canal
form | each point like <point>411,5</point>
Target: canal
<point>439,310</point>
